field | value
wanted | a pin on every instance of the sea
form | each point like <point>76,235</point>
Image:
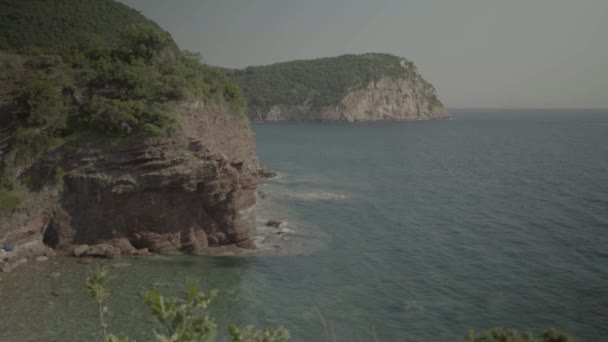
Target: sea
<point>393,231</point>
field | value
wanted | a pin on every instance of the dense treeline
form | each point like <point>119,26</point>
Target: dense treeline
<point>64,23</point>
<point>124,77</point>
<point>115,92</point>
<point>323,81</point>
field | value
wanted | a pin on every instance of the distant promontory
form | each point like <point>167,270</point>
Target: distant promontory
<point>367,87</point>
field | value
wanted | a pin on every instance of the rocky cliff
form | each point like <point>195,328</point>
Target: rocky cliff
<point>114,141</point>
<point>367,87</point>
<point>386,99</point>
<point>180,194</point>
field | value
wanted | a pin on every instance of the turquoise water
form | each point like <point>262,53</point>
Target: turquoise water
<point>414,231</point>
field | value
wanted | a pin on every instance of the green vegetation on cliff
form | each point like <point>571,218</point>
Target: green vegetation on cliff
<point>324,81</point>
<point>64,23</point>
<point>505,335</point>
<point>124,79</point>
<point>126,90</point>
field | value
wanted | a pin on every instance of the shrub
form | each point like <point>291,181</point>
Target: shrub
<point>502,335</point>
<point>43,105</point>
<point>58,174</point>
<point>146,42</point>
<point>30,143</point>
<point>8,201</point>
<point>182,319</point>
<point>99,85</point>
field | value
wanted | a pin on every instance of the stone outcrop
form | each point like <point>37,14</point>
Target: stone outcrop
<point>180,194</point>
<point>404,95</point>
<point>266,173</point>
<point>387,99</point>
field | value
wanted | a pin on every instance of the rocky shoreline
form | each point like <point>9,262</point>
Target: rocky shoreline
<point>273,237</point>
<point>385,100</point>
<point>184,194</point>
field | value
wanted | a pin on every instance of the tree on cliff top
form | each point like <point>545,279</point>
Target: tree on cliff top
<point>128,90</point>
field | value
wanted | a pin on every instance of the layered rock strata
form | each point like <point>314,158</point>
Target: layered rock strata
<point>181,194</point>
<point>387,99</point>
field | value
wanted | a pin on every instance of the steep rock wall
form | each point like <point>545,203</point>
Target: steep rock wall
<point>182,194</point>
<point>386,99</point>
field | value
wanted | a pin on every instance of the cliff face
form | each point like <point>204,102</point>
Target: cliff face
<point>386,99</point>
<point>182,194</point>
<point>367,87</point>
<point>103,150</point>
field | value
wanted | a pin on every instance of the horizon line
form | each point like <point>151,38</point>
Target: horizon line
<point>527,108</point>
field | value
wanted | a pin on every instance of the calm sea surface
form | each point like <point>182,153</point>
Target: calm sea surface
<point>412,231</point>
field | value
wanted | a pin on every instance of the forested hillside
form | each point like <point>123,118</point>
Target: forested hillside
<point>61,23</point>
<point>58,89</point>
<point>323,81</point>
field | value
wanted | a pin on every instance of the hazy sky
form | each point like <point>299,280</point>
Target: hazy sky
<point>477,53</point>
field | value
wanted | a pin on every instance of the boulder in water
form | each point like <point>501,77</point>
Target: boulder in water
<point>80,250</point>
<point>274,223</point>
<point>103,250</point>
<point>266,173</point>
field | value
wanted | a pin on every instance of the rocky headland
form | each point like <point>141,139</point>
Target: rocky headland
<point>114,141</point>
<point>368,87</point>
<point>187,194</point>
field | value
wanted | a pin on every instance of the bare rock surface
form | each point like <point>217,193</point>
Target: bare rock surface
<point>386,99</point>
<point>274,223</point>
<point>266,173</point>
<point>181,194</point>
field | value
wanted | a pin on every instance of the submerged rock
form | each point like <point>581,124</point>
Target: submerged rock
<point>262,194</point>
<point>103,251</point>
<point>266,173</point>
<point>142,252</point>
<point>54,275</point>
<point>274,223</point>
<point>80,250</point>
<point>86,260</point>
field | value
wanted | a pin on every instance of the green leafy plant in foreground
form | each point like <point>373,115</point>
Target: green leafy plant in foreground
<point>185,320</point>
<point>182,319</point>
<point>96,285</point>
<point>503,335</point>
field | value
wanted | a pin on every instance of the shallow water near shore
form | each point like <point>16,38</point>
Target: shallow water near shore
<point>412,231</point>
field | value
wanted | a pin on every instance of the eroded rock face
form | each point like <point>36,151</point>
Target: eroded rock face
<point>182,194</point>
<point>386,99</point>
<point>171,195</point>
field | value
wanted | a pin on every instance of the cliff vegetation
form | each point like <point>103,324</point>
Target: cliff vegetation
<point>54,24</point>
<point>322,82</point>
<point>124,85</point>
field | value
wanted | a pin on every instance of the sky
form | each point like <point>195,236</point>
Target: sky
<point>477,53</point>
